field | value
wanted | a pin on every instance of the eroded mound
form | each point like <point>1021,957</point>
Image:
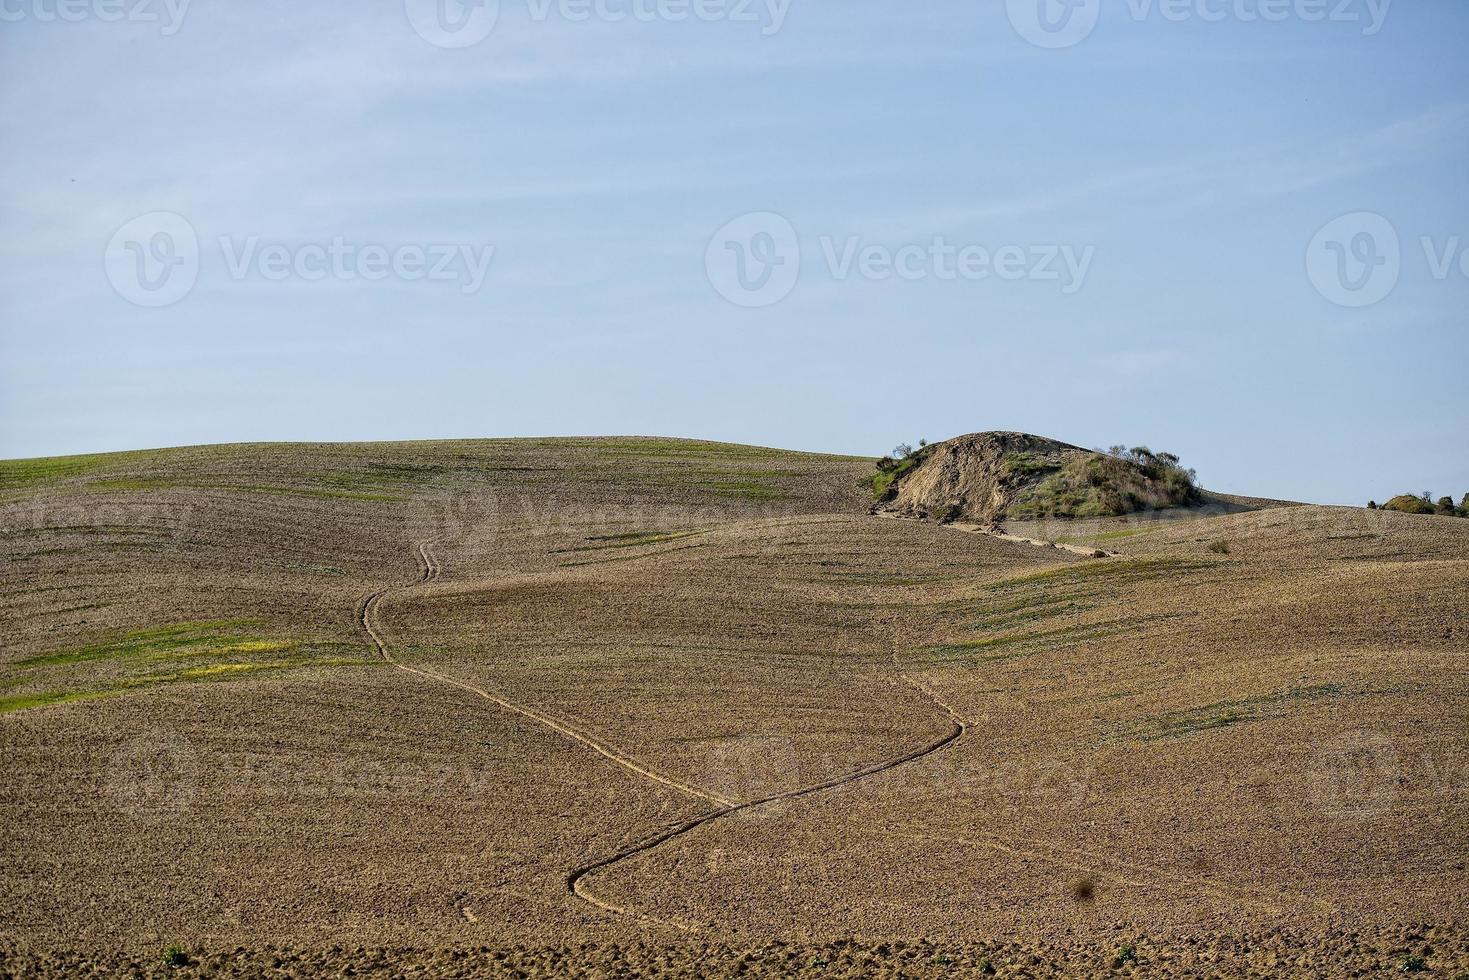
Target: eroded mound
<point>990,476</point>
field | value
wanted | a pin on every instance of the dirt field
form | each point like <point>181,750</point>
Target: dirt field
<point>635,706</point>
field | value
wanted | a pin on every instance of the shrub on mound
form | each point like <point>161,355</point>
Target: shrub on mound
<point>1106,485</point>
<point>1409,504</point>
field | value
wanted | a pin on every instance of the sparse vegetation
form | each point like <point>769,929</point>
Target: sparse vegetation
<point>1119,481</point>
<point>1424,503</point>
<point>175,955</point>
<point>1126,953</point>
<point>891,468</point>
<point>1414,964</point>
<point>1224,714</point>
<point>189,651</point>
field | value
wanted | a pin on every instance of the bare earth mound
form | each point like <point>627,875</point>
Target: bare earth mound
<point>990,476</point>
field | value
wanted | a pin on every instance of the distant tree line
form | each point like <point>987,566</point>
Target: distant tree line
<point>1424,504</point>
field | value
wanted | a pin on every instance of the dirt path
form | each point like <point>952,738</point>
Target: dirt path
<point>576,879</point>
<point>430,572</point>
<point>1002,535</point>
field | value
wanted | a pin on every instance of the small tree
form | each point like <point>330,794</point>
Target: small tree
<point>902,450</point>
<point>1464,506</point>
<point>922,443</point>
<point>1371,505</point>
<point>1445,505</point>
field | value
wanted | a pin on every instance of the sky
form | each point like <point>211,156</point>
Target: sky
<point>1230,229</point>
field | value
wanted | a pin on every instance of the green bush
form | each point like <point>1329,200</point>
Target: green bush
<point>174,955</point>
<point>1406,503</point>
<point>888,472</point>
<point>1104,484</point>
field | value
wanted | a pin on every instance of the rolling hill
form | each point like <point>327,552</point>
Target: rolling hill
<point>638,705</point>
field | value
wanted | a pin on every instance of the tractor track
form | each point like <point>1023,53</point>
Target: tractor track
<point>576,879</point>
<point>431,571</point>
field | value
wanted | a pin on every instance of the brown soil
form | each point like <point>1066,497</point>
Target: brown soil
<point>641,706</point>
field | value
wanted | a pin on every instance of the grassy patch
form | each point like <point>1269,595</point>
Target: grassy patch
<point>993,648</point>
<point>633,557</point>
<point>175,639</point>
<point>743,490</point>
<point>633,539</point>
<point>22,702</point>
<point>1029,608</point>
<point>883,479</point>
<point>179,652</point>
<point>1116,570</point>
<point>1224,714</point>
<point>165,483</point>
<point>17,474</point>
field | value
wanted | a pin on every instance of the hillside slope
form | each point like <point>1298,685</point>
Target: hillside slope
<point>1230,758</point>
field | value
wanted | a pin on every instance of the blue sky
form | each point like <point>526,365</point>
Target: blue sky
<point>1188,157</point>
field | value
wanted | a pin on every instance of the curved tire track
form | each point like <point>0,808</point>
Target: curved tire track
<point>576,879</point>
<point>431,571</point>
